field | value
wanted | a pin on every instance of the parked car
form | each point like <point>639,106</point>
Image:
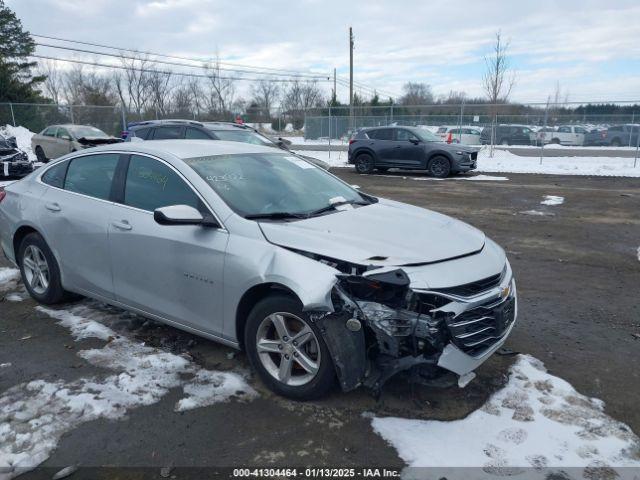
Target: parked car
<point>622,135</point>
<point>464,135</point>
<point>192,130</point>
<point>320,281</point>
<point>58,140</point>
<point>595,137</point>
<point>408,148</point>
<point>13,161</point>
<point>508,135</point>
<point>562,135</point>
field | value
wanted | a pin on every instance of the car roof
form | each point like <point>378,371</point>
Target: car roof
<point>185,148</point>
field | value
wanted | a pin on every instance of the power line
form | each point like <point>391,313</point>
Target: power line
<point>81,50</point>
<point>177,57</point>
<point>167,72</point>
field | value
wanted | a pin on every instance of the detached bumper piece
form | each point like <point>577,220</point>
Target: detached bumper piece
<point>426,332</point>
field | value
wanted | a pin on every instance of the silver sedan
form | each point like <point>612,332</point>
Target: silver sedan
<point>261,250</point>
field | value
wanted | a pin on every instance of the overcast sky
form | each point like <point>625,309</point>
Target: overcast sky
<point>591,47</point>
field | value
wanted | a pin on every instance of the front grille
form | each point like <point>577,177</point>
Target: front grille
<point>473,288</point>
<point>473,331</point>
<point>474,155</point>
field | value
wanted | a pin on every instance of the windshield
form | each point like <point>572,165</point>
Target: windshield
<point>244,136</point>
<point>425,135</point>
<point>266,183</point>
<point>80,132</point>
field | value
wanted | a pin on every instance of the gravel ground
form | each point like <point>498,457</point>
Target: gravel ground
<point>577,267</point>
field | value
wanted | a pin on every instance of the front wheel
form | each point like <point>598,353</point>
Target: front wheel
<point>288,350</point>
<point>40,155</point>
<point>440,167</point>
<point>40,271</point>
<point>364,163</point>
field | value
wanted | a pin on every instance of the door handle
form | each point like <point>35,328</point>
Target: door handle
<point>123,225</point>
<point>53,207</point>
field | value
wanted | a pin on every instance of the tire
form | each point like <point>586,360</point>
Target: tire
<point>364,163</point>
<point>40,155</point>
<point>40,271</point>
<point>555,141</point>
<point>440,167</point>
<point>382,169</point>
<point>302,384</point>
<point>505,141</point>
<point>616,142</point>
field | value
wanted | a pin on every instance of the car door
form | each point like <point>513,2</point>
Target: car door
<point>579,135</point>
<point>409,150</point>
<point>172,271</point>
<point>62,142</point>
<point>47,141</point>
<point>383,145</point>
<point>75,212</point>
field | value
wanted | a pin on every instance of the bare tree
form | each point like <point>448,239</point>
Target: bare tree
<point>415,93</point>
<point>160,88</point>
<point>265,94</point>
<point>197,96</point>
<point>182,101</point>
<point>53,83</point>
<point>498,80</point>
<point>133,83</point>
<point>221,89</point>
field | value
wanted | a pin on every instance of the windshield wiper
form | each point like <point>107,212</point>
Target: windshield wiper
<point>275,216</point>
<point>333,206</point>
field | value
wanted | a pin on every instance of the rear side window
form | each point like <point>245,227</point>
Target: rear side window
<point>151,184</point>
<point>92,175</point>
<point>381,134</point>
<point>55,175</point>
<point>195,134</point>
<point>167,133</point>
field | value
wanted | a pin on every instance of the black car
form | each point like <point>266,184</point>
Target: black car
<point>192,130</point>
<point>409,148</point>
<point>508,135</point>
<point>13,161</point>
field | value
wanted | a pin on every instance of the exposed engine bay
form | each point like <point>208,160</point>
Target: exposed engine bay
<point>13,161</point>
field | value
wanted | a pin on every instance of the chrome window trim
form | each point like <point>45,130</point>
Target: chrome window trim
<point>120,152</point>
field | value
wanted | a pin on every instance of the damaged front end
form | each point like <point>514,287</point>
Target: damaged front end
<point>13,161</point>
<point>380,326</point>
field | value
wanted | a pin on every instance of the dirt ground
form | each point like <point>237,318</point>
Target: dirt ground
<point>578,275</point>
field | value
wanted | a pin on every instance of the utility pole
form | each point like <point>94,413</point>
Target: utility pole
<point>335,92</point>
<point>351,76</point>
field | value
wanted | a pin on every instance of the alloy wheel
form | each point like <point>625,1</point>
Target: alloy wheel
<point>288,349</point>
<point>36,269</point>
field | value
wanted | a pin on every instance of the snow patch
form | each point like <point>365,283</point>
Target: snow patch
<point>638,253</point>
<point>34,415</point>
<point>537,420</point>
<point>482,178</point>
<point>9,278</point>
<point>23,138</point>
<point>538,213</point>
<point>552,200</point>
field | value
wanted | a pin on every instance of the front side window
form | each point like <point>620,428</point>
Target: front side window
<point>86,131</point>
<point>266,183</point>
<point>92,175</point>
<point>63,133</point>
<point>151,184</point>
<point>50,131</point>
<point>195,134</point>
<point>243,136</point>
<point>405,135</point>
<point>167,133</point>
<point>564,130</point>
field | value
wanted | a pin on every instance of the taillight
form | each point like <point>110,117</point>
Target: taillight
<point>351,140</point>
<point>2,194</point>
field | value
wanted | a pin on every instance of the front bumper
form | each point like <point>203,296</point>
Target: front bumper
<point>15,164</point>
<point>455,329</point>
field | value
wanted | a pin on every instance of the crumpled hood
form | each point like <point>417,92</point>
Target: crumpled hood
<point>91,141</point>
<point>385,233</point>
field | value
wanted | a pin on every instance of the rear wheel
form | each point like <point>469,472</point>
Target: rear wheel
<point>440,167</point>
<point>505,141</point>
<point>555,141</point>
<point>40,155</point>
<point>616,142</point>
<point>364,163</point>
<point>40,271</point>
<point>288,350</point>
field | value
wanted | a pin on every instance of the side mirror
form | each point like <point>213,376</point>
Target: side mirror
<point>65,137</point>
<point>415,141</point>
<point>181,215</point>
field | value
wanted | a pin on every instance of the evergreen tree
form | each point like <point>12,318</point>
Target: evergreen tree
<point>17,84</point>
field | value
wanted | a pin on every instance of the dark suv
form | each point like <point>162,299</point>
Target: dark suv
<point>508,135</point>
<point>622,135</point>
<point>192,130</point>
<point>408,148</point>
